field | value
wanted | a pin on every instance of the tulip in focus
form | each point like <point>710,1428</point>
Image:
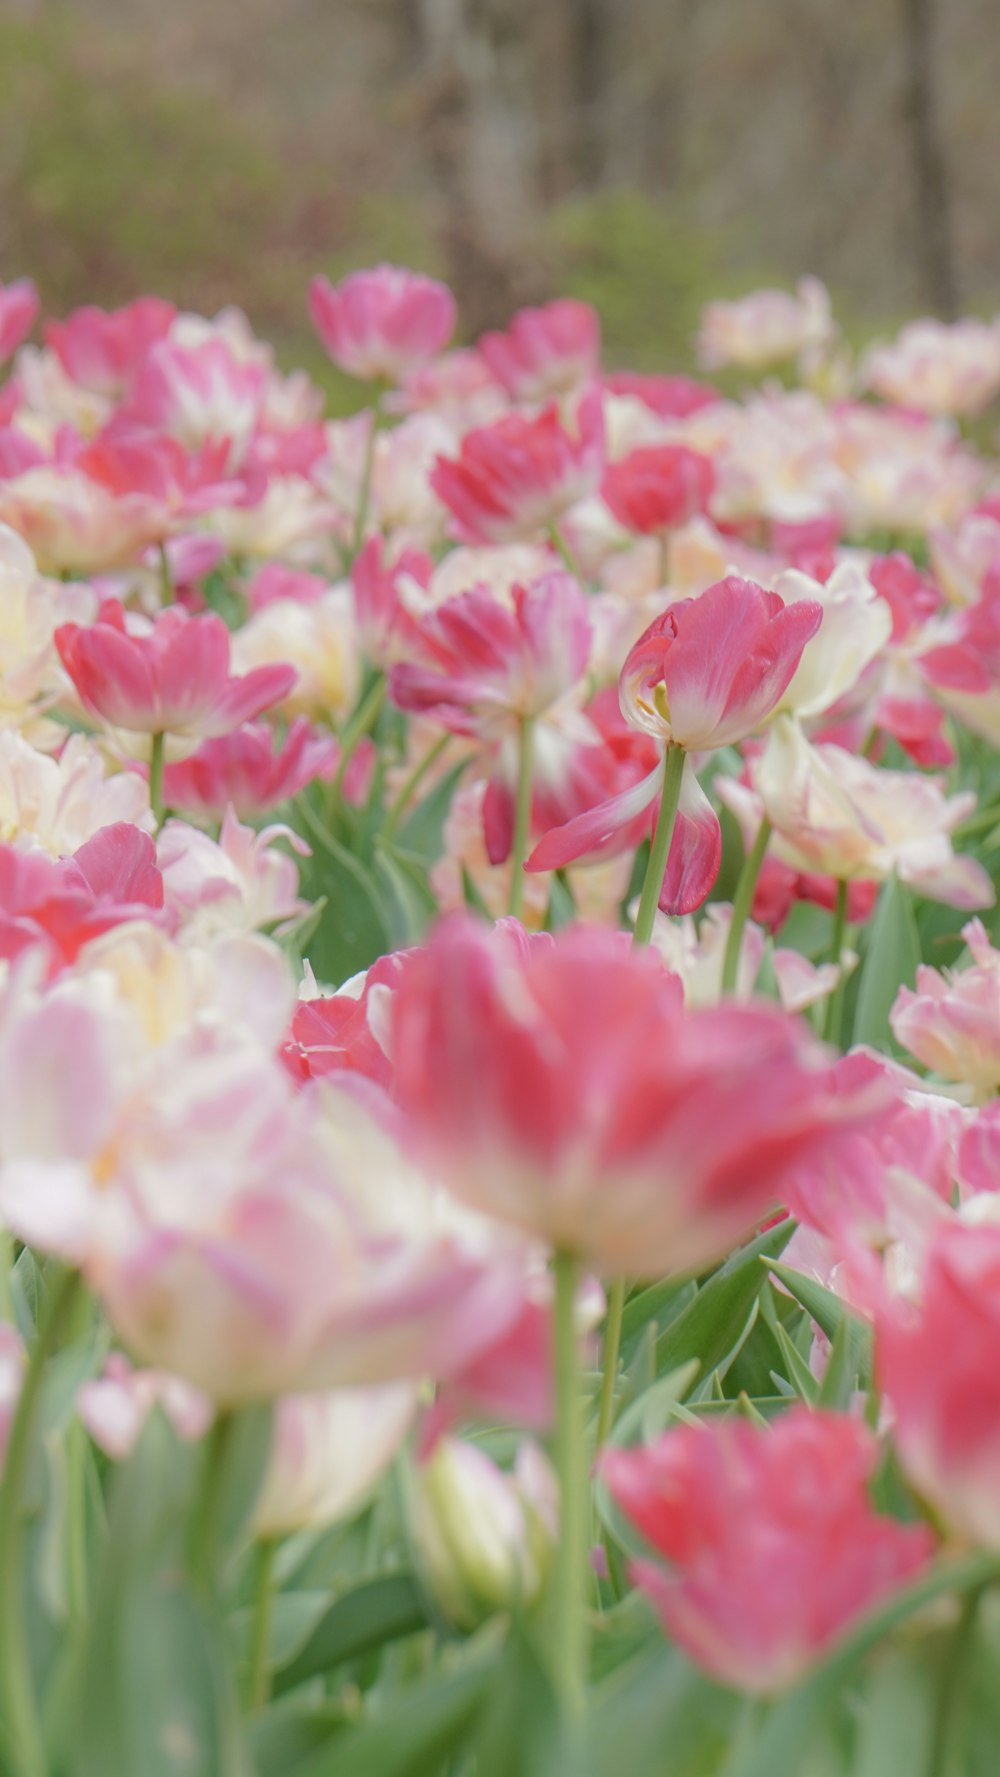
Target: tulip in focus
<point>559,1085</point>
<point>484,1538</point>
<point>383,324</point>
<point>773,1547</point>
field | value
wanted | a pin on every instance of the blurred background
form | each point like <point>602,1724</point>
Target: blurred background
<point>642,154</point>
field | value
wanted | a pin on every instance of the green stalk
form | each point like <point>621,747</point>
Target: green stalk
<point>563,550</point>
<point>742,903</point>
<point>259,1681</point>
<point>835,1004</point>
<point>522,815</point>
<point>659,851</point>
<point>411,785</point>
<point>7,1277</point>
<point>156,780</point>
<point>18,1705</point>
<point>950,1685</point>
<point>612,1347</point>
<point>204,1529</point>
<point>365,491</point>
<point>166,583</point>
<point>364,718</point>
<point>570,1572</point>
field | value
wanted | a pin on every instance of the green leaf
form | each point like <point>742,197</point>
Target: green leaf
<point>406,894</point>
<point>797,1370</point>
<point>660,1302</point>
<point>658,1714</point>
<point>713,1326</point>
<point>892,955</point>
<point>245,1459</point>
<point>518,1731</point>
<point>894,1729</point>
<point>354,929</point>
<point>360,1621</point>
<point>829,1313</point>
<point>414,1730</point>
<point>849,1354</point>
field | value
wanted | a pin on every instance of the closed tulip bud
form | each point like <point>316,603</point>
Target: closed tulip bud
<point>484,1538</point>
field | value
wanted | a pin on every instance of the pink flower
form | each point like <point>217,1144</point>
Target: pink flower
<point>114,1406</point>
<point>765,328</point>
<point>952,1022</point>
<point>384,622</point>
<point>348,1031</point>
<point>938,367</point>
<point>380,325</point>
<point>774,1548</point>
<point>173,677</point>
<point>63,905</point>
<point>488,664</point>
<point>963,670</point>
<point>658,487</point>
<point>329,1452</point>
<point>711,669</point>
<point>247,771</point>
<point>207,393</point>
<point>515,478</point>
<point>102,349</point>
<point>669,397</point>
<point>937,1370</point>
<point>558,1084</point>
<point>74,524</point>
<point>545,352</point>
<point>18,308</point>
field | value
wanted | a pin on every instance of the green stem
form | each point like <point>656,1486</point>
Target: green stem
<point>612,1347</point>
<point>742,903</point>
<point>365,491</point>
<point>259,1681</point>
<point>363,719</point>
<point>17,1698</point>
<point>411,785</point>
<point>835,1004</point>
<point>522,815</point>
<point>166,583</point>
<point>569,1575</point>
<point>659,851</point>
<point>950,1684</point>
<point>203,1544</point>
<point>7,1277</point>
<point>156,780</point>
<point>563,550</point>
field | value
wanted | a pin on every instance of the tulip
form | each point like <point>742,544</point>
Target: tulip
<point>938,368</point>
<point>381,325</point>
<point>483,1538</point>
<point>18,309</point>
<point>952,1022</point>
<point>546,352</point>
<point>171,676</point>
<point>559,1085</point>
<point>514,479</point>
<point>657,488</point>
<point>247,771</point>
<point>102,350</point>
<point>773,1546</point>
<point>329,1452</point>
<point>937,1371</point>
<point>765,328</point>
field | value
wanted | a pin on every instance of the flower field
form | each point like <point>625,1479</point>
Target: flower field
<point>499,1047</point>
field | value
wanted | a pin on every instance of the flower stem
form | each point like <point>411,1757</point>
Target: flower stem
<point>612,1347</point>
<point>835,1004</point>
<point>522,815</point>
<point>166,582</point>
<point>7,1277</point>
<point>563,550</point>
<point>156,780</point>
<point>365,490</point>
<point>952,1670</point>
<point>17,1698</point>
<point>364,718</point>
<point>411,785</point>
<point>742,903</point>
<point>259,1682</point>
<point>203,1544</point>
<point>569,1576</point>
<point>659,851</point>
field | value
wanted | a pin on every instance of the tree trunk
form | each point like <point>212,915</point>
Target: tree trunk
<point>935,253</point>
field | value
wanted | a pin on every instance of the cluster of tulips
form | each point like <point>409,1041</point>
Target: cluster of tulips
<point>499,1048</point>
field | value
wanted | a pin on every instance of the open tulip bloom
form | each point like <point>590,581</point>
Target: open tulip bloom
<point>499,1136</point>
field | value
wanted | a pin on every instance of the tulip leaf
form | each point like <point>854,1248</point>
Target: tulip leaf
<point>892,956</point>
<point>412,1732</point>
<point>354,929</point>
<point>658,1701</point>
<point>361,1620</point>
<point>712,1327</point>
<point>829,1313</point>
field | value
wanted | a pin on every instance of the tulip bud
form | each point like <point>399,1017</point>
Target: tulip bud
<point>484,1538</point>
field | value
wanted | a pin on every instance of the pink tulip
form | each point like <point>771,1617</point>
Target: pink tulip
<point>485,663</point>
<point>514,479</point>
<point>171,677</point>
<point>952,1022</point>
<point>102,350</point>
<point>201,394</point>
<point>186,484</point>
<point>382,324</point>
<point>937,1370</point>
<point>384,623</point>
<point>653,489</point>
<point>73,523</point>
<point>767,327</point>
<point>937,367</point>
<point>669,397</point>
<point>244,770</point>
<point>773,1546</point>
<point>329,1453</point>
<point>18,309</point>
<point>63,905</point>
<point>963,669</point>
<point>545,352</point>
<point>349,1031</point>
<point>558,1084</point>
<point>114,1406</point>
